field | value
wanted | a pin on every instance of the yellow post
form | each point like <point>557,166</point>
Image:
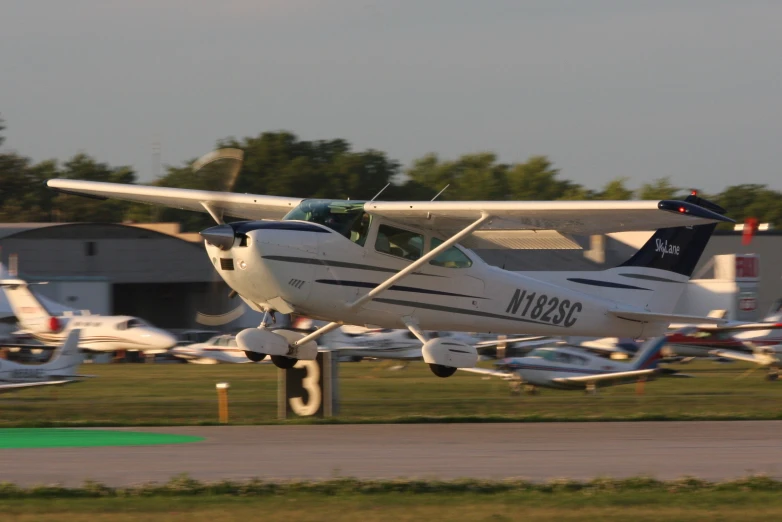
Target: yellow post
<point>639,386</point>
<point>222,401</point>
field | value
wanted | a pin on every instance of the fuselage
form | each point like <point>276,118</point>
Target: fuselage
<point>104,333</point>
<point>308,268</point>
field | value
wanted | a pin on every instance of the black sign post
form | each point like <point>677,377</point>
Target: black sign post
<point>309,388</point>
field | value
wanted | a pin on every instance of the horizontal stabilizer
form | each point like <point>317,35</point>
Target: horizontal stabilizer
<point>757,358</point>
<point>21,385</point>
<point>651,317</point>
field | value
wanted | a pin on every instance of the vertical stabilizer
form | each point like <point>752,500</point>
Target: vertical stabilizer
<point>66,357</point>
<point>649,353</point>
<point>28,309</point>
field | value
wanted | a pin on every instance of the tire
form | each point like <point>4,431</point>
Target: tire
<point>442,371</point>
<point>255,356</point>
<point>285,363</point>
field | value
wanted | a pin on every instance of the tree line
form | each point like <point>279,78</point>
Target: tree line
<point>279,163</point>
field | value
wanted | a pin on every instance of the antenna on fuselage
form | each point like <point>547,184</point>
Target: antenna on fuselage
<point>438,194</point>
<point>381,191</point>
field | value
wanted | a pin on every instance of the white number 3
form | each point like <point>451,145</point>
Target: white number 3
<point>311,384</point>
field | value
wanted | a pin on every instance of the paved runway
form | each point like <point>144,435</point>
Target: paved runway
<point>710,450</point>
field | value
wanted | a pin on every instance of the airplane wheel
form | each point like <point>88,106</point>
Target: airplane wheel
<point>772,377</point>
<point>255,356</point>
<point>280,361</point>
<point>442,371</point>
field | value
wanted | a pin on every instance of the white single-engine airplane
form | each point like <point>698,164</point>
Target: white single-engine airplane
<point>59,370</point>
<point>397,264</point>
<point>100,333</point>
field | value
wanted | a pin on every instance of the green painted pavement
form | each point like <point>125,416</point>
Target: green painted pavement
<point>69,438</point>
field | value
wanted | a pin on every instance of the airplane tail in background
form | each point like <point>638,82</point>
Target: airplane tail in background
<point>66,357</point>
<point>28,309</point>
<point>679,249</point>
<point>649,353</point>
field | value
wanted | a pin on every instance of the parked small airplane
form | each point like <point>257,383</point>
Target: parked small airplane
<point>220,348</point>
<point>59,370</point>
<point>571,367</point>
<point>397,265</point>
<point>100,333</point>
<point>759,343</point>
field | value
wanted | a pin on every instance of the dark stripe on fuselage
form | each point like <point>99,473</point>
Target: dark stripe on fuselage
<point>362,284</point>
<point>452,310</point>
<point>605,284</point>
<point>650,278</point>
<point>338,264</point>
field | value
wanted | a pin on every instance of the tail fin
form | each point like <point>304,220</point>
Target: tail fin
<point>677,249</point>
<point>649,353</point>
<point>66,357</point>
<point>29,310</point>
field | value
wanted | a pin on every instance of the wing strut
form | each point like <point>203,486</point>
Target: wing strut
<point>412,267</point>
<point>396,277</point>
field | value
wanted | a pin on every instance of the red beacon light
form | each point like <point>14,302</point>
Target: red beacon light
<point>682,210</point>
<point>694,193</point>
<point>54,324</point>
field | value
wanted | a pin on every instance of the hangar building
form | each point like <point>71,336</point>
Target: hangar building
<point>150,271</point>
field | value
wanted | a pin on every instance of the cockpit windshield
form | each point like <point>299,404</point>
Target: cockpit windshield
<point>344,217</point>
<point>131,323</point>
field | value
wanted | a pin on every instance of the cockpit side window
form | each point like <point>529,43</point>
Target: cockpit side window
<point>451,258</point>
<point>399,242</point>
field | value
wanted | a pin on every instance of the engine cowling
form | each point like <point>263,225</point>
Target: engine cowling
<point>445,355</point>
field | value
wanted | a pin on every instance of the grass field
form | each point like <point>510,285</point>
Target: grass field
<point>173,394</point>
<point>631,499</point>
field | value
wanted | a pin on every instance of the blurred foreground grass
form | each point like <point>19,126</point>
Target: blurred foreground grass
<point>528,506</point>
<point>182,394</point>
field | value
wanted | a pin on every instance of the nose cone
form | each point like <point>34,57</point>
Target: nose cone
<point>166,340</point>
<point>221,236</point>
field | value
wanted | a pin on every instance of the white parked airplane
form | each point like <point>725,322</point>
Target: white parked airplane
<point>59,370</point>
<point>397,264</point>
<point>220,348</point>
<point>100,333</point>
<point>570,368</point>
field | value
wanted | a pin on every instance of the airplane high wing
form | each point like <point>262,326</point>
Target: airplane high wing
<point>445,217</point>
<point>218,204</point>
<point>570,217</point>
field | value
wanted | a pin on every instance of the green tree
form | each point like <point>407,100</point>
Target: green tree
<point>752,201</point>
<point>658,189</point>
<point>615,190</point>
<point>76,208</point>
<point>536,180</point>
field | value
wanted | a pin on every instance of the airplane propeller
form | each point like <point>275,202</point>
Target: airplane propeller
<point>224,166</point>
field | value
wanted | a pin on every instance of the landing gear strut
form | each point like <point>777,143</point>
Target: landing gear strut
<point>773,373</point>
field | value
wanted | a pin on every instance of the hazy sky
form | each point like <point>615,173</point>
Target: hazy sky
<point>605,88</point>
